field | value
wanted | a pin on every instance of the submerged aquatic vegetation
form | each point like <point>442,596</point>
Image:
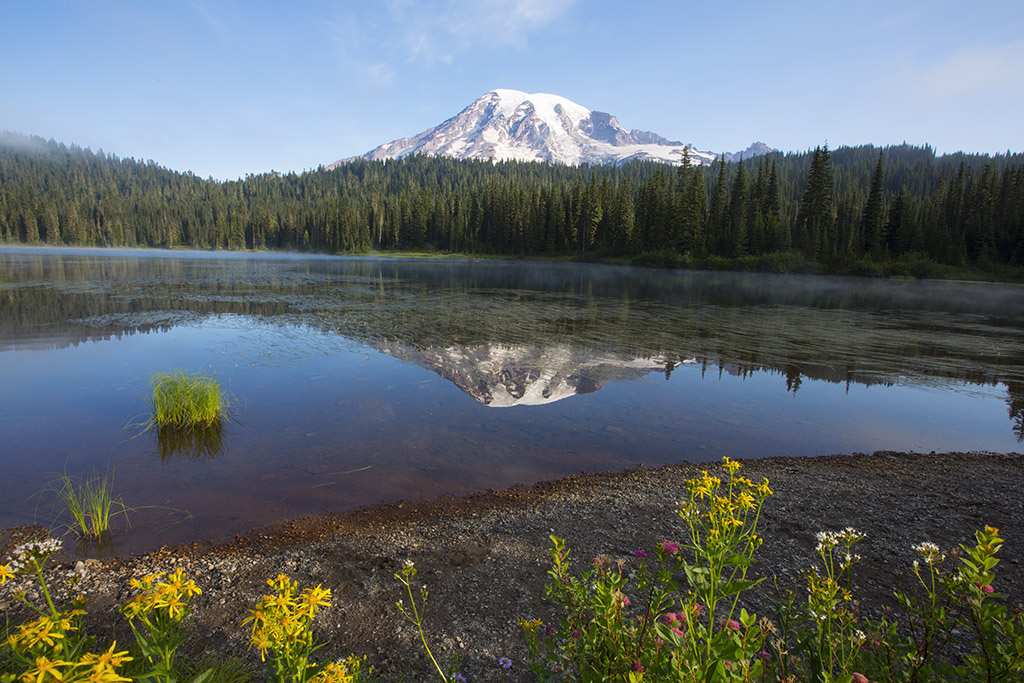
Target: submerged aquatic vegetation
<point>186,401</point>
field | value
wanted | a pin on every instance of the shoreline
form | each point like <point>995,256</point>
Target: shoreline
<point>484,556</point>
<point>813,269</point>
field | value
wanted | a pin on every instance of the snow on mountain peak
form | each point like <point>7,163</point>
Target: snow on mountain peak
<point>509,124</point>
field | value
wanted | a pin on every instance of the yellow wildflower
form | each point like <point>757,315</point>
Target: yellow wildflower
<point>148,580</point>
<point>281,583</point>
<point>261,643</point>
<point>317,597</point>
<point>44,667</point>
<point>5,573</point>
<point>745,500</point>
<point>110,660</point>
<point>175,606</point>
<point>333,673</point>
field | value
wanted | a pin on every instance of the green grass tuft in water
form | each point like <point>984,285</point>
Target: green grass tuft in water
<point>90,502</point>
<point>186,401</point>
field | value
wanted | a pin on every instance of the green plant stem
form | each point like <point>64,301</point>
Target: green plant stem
<point>419,627</point>
<point>46,590</point>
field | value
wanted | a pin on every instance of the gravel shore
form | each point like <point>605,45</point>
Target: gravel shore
<point>484,557</point>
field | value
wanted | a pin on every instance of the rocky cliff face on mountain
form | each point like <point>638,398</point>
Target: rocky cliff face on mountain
<point>512,125</point>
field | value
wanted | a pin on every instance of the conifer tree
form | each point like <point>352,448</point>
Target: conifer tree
<point>777,231</point>
<point>738,213</point>
<point>718,223</point>
<point>873,220</point>
<point>816,216</point>
<point>691,209</point>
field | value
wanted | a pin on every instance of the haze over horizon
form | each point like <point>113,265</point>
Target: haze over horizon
<point>223,89</point>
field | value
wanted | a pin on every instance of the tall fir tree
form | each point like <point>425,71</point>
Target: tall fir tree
<point>718,221</point>
<point>738,213</point>
<point>872,224</point>
<point>816,215</point>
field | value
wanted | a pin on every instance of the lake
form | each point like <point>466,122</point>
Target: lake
<point>360,380</point>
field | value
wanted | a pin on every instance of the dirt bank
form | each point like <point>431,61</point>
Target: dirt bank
<point>484,557</point>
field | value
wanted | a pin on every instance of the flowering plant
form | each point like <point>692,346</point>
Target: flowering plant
<point>692,634</point>
<point>414,613</point>
<point>53,646</point>
<point>960,601</point>
<point>835,641</point>
<point>156,614</point>
<point>281,631</point>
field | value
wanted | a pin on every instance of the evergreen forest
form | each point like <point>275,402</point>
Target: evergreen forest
<point>898,210</point>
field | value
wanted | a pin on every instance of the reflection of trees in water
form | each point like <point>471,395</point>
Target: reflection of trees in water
<point>1015,400</point>
<point>198,443</point>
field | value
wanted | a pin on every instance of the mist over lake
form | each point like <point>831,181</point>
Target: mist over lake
<point>357,380</point>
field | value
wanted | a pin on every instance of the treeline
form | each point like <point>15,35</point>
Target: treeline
<point>860,209</point>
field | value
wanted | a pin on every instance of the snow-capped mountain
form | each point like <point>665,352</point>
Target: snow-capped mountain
<point>513,125</point>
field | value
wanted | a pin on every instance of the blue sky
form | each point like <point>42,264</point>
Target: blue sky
<point>233,87</point>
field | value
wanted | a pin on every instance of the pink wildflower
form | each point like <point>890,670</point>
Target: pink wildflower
<point>640,554</point>
<point>575,634</point>
<point>677,632</point>
<point>669,547</point>
<point>987,589</point>
<point>732,625</point>
<point>625,601</point>
<point>860,678</point>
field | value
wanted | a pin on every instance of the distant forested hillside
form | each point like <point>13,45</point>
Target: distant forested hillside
<point>866,210</point>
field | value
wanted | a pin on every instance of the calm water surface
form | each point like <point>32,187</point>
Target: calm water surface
<point>357,381</point>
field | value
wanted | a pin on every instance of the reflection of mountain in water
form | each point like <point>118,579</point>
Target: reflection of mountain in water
<point>501,376</point>
<point>502,331</point>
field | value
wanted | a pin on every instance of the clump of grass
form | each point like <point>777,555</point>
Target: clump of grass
<point>186,401</point>
<point>90,502</point>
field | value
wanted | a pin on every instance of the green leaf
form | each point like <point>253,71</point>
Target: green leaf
<point>739,560</point>
<point>696,576</point>
<point>739,585</point>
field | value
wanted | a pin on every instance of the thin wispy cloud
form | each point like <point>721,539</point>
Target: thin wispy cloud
<point>905,16</point>
<point>436,33</point>
<point>980,70</point>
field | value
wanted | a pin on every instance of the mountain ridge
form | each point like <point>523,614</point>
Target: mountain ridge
<point>508,124</point>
